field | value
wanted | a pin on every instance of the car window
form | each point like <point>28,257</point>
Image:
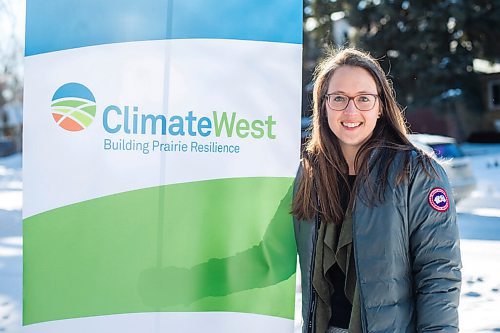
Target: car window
<point>447,150</point>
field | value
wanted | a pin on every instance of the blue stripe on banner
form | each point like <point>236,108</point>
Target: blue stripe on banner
<point>64,24</point>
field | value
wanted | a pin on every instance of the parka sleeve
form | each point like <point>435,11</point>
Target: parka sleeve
<point>434,248</point>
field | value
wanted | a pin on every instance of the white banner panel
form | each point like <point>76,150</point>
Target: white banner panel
<point>161,140</point>
<point>226,81</point>
<point>187,322</point>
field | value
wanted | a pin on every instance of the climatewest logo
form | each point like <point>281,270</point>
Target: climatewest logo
<point>73,107</point>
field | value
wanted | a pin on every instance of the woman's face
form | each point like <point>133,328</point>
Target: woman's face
<point>352,126</point>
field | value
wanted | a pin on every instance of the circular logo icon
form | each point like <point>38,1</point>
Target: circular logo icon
<point>438,199</point>
<point>73,107</point>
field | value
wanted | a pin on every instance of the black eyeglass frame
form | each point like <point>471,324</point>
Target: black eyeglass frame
<point>327,97</point>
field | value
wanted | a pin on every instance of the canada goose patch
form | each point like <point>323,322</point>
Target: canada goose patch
<point>438,199</point>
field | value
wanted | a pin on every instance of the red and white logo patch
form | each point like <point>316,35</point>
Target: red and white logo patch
<point>438,199</point>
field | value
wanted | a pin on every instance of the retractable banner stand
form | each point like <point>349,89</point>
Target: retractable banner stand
<point>161,142</point>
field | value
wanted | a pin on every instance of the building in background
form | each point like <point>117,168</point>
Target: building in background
<point>490,80</point>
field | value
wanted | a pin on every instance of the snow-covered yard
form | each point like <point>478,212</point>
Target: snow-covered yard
<point>479,219</point>
<point>11,265</point>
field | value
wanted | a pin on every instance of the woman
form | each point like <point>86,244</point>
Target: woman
<point>375,228</point>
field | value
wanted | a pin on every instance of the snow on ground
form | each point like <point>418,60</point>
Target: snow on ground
<point>484,203</point>
<point>479,221</point>
<point>10,244</point>
<point>480,300</point>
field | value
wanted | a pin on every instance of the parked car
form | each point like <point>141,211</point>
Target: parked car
<point>458,167</point>
<point>7,147</point>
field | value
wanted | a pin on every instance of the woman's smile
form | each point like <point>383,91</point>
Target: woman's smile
<point>350,126</point>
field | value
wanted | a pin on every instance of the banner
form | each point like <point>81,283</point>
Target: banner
<point>161,139</point>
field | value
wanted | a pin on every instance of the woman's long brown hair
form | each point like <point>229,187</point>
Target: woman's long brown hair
<point>324,165</point>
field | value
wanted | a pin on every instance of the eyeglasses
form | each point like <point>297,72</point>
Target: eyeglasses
<point>363,102</point>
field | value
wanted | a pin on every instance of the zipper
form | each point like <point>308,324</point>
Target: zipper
<point>311,312</point>
<point>312,306</point>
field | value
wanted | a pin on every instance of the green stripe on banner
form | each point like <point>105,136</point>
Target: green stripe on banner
<point>82,117</point>
<point>218,245</point>
<point>70,103</point>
